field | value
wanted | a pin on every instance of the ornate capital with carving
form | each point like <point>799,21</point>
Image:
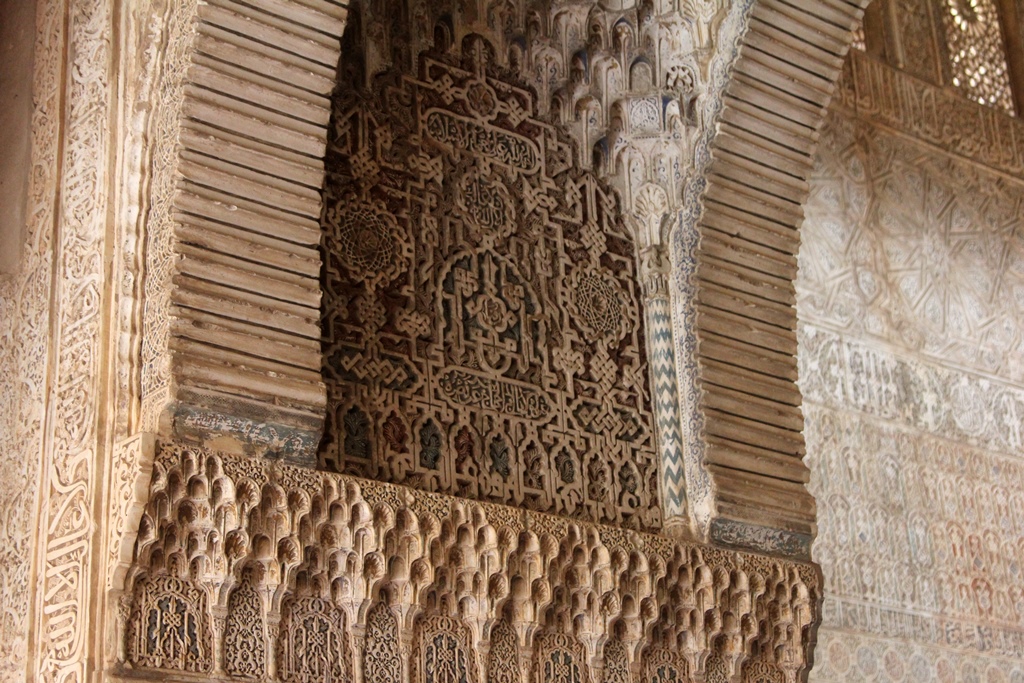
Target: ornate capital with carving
<point>655,269</point>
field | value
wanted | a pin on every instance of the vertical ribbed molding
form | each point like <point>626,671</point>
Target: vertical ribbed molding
<point>245,296</point>
<point>781,84</point>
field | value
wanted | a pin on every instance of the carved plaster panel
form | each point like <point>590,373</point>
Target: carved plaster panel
<point>920,251</point>
<point>910,366</point>
<point>920,532</point>
<point>482,310</point>
<point>629,83</point>
<point>877,92</point>
<point>24,326</point>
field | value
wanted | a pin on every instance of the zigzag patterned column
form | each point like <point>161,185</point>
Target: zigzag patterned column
<point>654,271</point>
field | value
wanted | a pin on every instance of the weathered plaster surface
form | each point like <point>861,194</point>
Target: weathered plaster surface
<point>24,324</point>
<point>910,286</point>
<point>17,33</point>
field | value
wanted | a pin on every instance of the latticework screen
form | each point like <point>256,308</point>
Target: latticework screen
<point>976,55</point>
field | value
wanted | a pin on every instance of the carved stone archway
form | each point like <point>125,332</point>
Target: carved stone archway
<point>230,334</point>
<point>736,265</point>
<point>230,356</point>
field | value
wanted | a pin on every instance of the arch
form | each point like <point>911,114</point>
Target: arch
<point>736,261</point>
<point>231,353</point>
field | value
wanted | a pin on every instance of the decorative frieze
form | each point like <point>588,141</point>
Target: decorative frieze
<point>313,566</point>
<point>943,118</point>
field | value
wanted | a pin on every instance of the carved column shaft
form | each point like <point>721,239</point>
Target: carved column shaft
<point>654,276</point>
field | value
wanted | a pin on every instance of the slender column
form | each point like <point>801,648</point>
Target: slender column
<point>654,271</point>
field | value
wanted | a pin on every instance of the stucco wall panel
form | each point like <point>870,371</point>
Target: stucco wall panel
<point>910,369</point>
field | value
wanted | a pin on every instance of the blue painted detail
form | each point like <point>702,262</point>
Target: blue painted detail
<point>267,438</point>
<point>732,533</point>
<point>666,406</point>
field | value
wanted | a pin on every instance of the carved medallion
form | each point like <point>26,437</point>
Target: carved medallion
<point>366,240</point>
<point>485,202</point>
<point>598,301</point>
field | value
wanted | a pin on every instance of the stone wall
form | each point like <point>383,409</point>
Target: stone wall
<point>24,318</point>
<point>910,298</point>
<point>17,33</point>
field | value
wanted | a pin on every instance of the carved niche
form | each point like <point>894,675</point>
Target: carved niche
<point>381,659</point>
<point>616,662</point>
<point>560,659</point>
<point>503,666</point>
<point>762,671</point>
<point>444,652</point>
<point>169,626</point>
<point>313,645</point>
<point>245,640</point>
<point>663,665</point>
<point>481,312</point>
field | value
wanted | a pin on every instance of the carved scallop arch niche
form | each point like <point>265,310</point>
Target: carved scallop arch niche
<point>705,136</point>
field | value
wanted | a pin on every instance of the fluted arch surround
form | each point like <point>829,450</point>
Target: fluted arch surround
<point>705,126</point>
<point>735,263</point>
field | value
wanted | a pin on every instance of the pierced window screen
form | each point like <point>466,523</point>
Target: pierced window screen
<point>977,58</point>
